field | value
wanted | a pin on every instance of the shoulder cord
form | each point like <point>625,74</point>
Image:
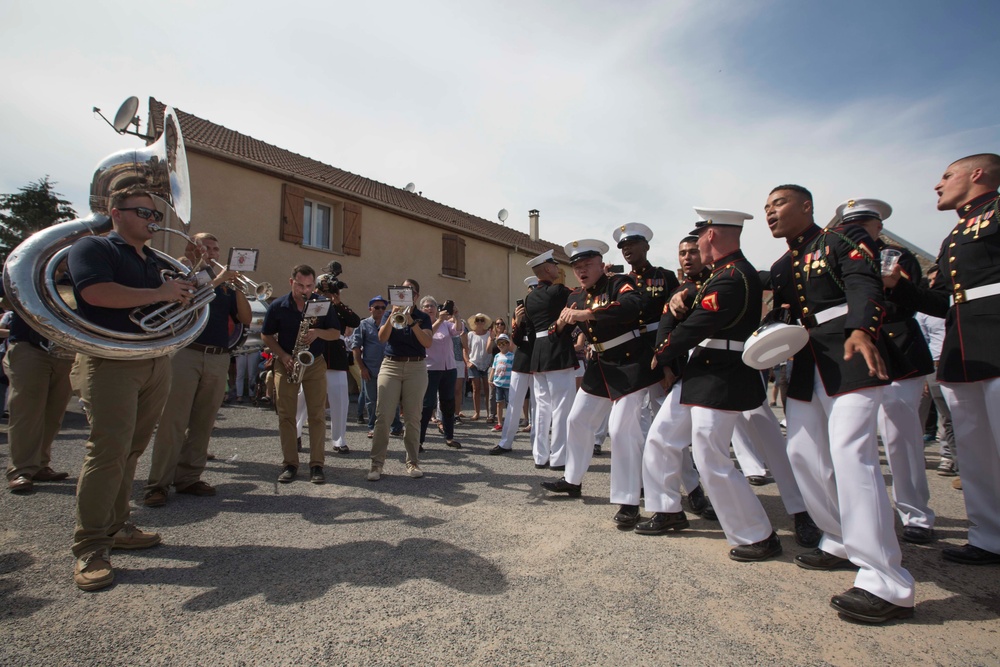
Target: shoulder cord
<point>846,239</point>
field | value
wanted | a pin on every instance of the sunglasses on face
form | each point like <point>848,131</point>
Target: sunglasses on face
<point>145,213</point>
<point>479,320</point>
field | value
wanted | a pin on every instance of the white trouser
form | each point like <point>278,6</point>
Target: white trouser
<point>601,433</point>
<point>519,385</point>
<point>336,396</point>
<point>554,392</point>
<point>246,373</point>
<point>760,426</point>
<point>976,420</point>
<point>903,437</point>
<point>626,442</point>
<point>834,453</point>
<point>655,396</point>
<point>750,460</point>
<point>709,432</point>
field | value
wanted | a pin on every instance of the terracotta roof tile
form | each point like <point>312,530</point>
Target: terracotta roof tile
<point>205,136</point>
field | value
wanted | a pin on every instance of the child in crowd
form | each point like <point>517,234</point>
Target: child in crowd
<point>503,364</point>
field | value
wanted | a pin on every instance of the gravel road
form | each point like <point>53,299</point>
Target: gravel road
<point>472,565</point>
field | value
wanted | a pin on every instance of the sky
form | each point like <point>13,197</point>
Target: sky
<point>594,113</point>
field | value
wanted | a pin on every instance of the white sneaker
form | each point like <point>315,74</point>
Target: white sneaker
<point>375,474</point>
<point>947,468</point>
<point>414,471</point>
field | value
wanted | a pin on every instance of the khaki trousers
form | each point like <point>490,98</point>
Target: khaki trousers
<point>180,449</point>
<point>286,401</point>
<point>125,399</point>
<point>400,383</point>
<point>39,391</point>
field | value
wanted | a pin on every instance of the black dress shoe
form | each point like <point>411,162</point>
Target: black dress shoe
<point>758,480</point>
<point>597,450</point>
<point>542,466</point>
<point>498,450</point>
<point>559,468</point>
<point>316,475</point>
<point>562,486</point>
<point>288,474</point>
<point>807,533</point>
<point>758,550</point>
<point>47,474</point>
<point>861,605</point>
<point>698,500</point>
<point>817,559</point>
<point>970,555</point>
<point>627,516</point>
<point>662,522</point>
<point>918,535</point>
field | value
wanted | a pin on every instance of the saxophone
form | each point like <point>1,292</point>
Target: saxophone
<point>303,358</point>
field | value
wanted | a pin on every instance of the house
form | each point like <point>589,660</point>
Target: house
<point>297,210</point>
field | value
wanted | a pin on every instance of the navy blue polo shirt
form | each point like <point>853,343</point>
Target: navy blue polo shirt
<point>402,342</point>
<point>20,332</point>
<point>283,319</point>
<point>109,259</point>
<point>220,310</point>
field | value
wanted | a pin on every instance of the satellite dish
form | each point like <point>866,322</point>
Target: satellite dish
<point>410,187</point>
<point>503,215</point>
<point>126,114</point>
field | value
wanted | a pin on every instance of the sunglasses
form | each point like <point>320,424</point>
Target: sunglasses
<point>145,213</point>
<point>480,320</point>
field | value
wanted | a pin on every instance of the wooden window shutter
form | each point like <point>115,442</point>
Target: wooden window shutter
<point>292,208</point>
<point>453,255</point>
<point>352,229</point>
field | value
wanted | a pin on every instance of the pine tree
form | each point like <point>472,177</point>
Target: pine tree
<point>34,207</point>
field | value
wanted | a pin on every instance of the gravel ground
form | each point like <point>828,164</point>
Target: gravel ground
<point>473,564</point>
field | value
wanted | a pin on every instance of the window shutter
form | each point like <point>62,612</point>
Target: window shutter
<point>453,255</point>
<point>292,207</point>
<point>352,229</point>
<point>460,257</point>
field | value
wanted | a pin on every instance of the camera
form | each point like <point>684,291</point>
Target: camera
<point>448,307</point>
<point>328,281</point>
<point>519,302</point>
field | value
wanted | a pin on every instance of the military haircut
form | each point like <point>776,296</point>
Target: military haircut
<point>988,162</point>
<point>794,188</point>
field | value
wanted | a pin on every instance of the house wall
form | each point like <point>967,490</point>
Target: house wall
<point>242,207</point>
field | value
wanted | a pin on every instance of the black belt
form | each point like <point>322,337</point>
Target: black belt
<point>394,358</point>
<point>208,349</point>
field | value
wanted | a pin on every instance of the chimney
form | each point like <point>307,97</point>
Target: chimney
<point>533,224</point>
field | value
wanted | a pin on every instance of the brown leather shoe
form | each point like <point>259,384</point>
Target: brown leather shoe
<point>47,474</point>
<point>130,537</point>
<point>93,571</point>
<point>199,488</point>
<point>155,498</point>
<point>20,484</point>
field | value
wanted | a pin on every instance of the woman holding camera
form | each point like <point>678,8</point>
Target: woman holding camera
<point>441,370</point>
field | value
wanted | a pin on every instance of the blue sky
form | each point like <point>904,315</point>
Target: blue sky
<point>595,113</point>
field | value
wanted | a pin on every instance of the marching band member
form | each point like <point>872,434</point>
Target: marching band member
<point>199,373</point>
<point>283,323</point>
<point>337,360</point>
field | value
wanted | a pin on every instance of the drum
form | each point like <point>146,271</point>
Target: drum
<point>772,343</point>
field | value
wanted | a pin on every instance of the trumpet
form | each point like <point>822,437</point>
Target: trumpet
<point>398,318</point>
<point>250,289</point>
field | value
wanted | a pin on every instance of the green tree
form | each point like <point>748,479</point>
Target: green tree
<point>35,206</point>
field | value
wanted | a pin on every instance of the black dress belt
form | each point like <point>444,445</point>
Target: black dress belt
<point>208,349</point>
<point>391,357</point>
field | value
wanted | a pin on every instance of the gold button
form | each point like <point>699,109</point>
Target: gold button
<point>798,275</point>
<point>957,286</point>
<point>798,286</point>
<point>891,334</point>
<point>801,299</point>
<point>874,319</point>
<point>795,263</point>
<point>805,310</point>
<point>951,259</point>
<point>627,354</point>
<point>871,328</point>
<point>953,272</point>
<point>951,245</point>
<point>795,253</point>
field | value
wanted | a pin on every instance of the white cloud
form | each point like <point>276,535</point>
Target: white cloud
<point>594,113</point>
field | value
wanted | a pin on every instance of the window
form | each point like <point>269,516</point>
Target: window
<point>313,221</point>
<point>317,225</point>
<point>453,256</point>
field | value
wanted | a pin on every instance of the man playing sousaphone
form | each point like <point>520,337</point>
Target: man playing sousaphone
<point>112,275</point>
<point>199,373</point>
